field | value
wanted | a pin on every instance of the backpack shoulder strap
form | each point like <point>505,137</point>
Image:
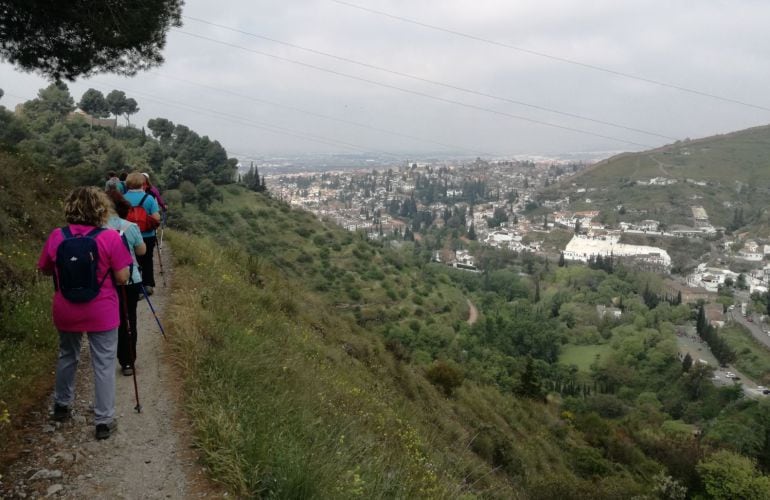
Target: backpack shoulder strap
<point>141,202</point>
<point>65,230</point>
<point>94,232</point>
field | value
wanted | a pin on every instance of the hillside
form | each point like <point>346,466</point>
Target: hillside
<point>722,173</point>
<point>319,364</point>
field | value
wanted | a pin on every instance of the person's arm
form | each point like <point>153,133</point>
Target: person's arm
<point>120,257</point>
<point>154,209</point>
<point>159,199</point>
<point>121,276</point>
<point>134,235</point>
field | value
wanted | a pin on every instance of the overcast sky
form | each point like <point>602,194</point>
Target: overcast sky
<point>716,47</point>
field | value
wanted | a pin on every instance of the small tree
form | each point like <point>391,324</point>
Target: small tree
<point>130,108</point>
<point>529,384</point>
<point>741,282</point>
<point>446,376</point>
<point>687,362</point>
<point>207,193</point>
<point>116,103</point>
<point>189,192</point>
<point>161,128</point>
<point>94,103</point>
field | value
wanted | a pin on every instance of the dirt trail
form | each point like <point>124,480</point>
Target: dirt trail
<point>473,313</point>
<point>146,458</point>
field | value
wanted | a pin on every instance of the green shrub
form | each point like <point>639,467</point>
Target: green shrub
<point>446,376</point>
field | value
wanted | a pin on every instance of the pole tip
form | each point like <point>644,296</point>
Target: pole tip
<point>138,408</point>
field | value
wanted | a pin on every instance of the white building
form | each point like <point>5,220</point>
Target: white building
<point>710,278</point>
<point>582,248</point>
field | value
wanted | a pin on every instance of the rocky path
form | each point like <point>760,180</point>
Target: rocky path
<point>147,457</point>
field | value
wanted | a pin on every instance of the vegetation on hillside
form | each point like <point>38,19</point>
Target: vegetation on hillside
<point>632,413</point>
<point>320,364</point>
<point>729,175</point>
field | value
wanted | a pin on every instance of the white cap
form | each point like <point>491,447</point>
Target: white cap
<point>146,175</point>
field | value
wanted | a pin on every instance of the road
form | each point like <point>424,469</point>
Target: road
<point>752,326</point>
<point>688,342</point>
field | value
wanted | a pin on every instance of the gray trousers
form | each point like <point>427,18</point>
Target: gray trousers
<point>104,348</point>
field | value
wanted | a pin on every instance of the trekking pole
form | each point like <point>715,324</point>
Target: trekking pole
<point>138,406</point>
<point>162,227</point>
<point>147,298</point>
<point>160,263</point>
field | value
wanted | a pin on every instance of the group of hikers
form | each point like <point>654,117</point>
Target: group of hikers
<point>102,266</point>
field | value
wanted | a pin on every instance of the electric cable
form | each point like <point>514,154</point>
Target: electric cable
<point>450,147</point>
<point>554,57</point>
<point>436,82</point>
<point>417,93</point>
<point>252,123</point>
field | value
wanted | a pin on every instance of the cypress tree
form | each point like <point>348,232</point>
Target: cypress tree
<point>529,385</point>
<point>687,362</point>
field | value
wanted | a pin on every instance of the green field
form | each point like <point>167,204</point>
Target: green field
<point>583,356</point>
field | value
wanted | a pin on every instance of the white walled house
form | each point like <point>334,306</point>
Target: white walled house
<point>582,248</point>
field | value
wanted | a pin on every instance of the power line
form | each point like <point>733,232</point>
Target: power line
<point>450,147</point>
<point>14,95</point>
<point>436,82</point>
<point>554,57</point>
<point>417,93</point>
<point>252,123</point>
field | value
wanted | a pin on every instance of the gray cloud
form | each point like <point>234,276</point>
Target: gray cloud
<point>717,47</point>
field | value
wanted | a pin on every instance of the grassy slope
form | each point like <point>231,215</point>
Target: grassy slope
<point>28,211</point>
<point>753,359</point>
<point>724,161</point>
<point>292,397</point>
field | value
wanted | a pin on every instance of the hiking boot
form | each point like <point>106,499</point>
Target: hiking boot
<point>61,413</point>
<point>103,431</point>
<point>127,371</point>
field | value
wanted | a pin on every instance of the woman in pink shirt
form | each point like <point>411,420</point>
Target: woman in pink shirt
<point>87,209</point>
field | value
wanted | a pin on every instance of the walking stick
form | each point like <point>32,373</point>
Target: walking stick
<point>159,246</point>
<point>160,262</point>
<point>147,298</point>
<point>162,227</point>
<point>138,406</point>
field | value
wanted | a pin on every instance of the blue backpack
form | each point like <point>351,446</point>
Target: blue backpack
<point>77,260</point>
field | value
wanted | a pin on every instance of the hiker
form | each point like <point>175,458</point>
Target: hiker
<point>86,261</point>
<point>149,188</point>
<point>114,183</point>
<point>128,294</point>
<point>147,218</point>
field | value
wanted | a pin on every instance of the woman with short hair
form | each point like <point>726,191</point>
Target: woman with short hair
<point>128,293</point>
<point>136,196</point>
<point>86,210</point>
